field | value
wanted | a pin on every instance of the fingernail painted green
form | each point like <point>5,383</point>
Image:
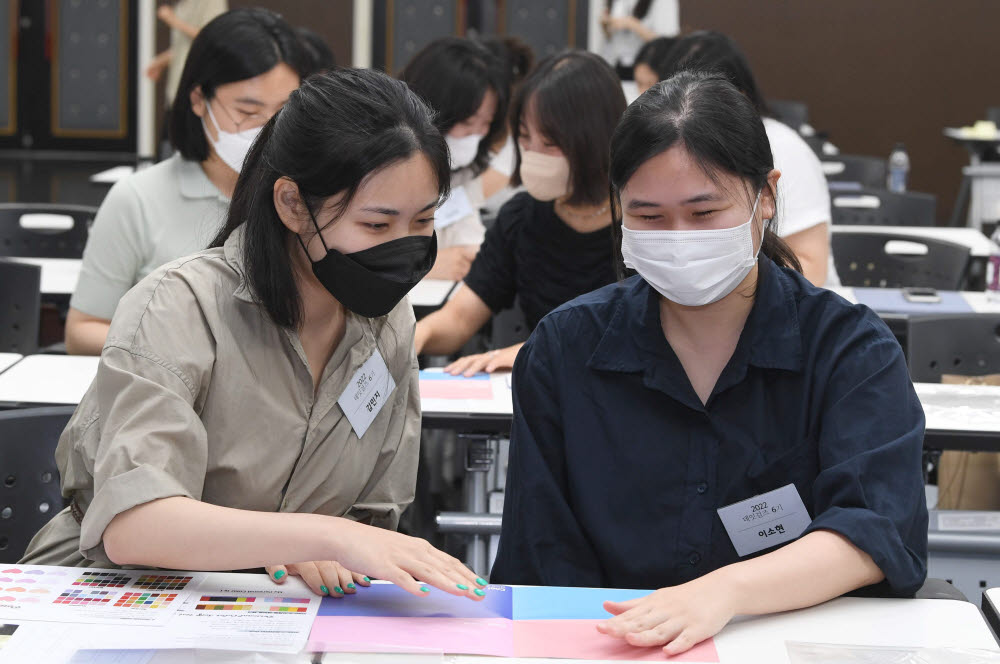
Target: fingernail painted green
<point>462,586</point>
<point>279,574</point>
<point>338,590</point>
<point>351,586</point>
<point>367,580</point>
<point>326,591</point>
<point>425,590</point>
<point>481,582</point>
<point>481,593</point>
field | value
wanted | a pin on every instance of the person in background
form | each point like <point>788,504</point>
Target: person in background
<point>650,61</point>
<point>803,216</point>
<point>628,24</point>
<point>257,404</point>
<point>184,18</point>
<point>316,50</point>
<point>518,59</point>
<point>551,242</point>
<point>714,426</point>
<point>241,69</point>
<point>467,86</point>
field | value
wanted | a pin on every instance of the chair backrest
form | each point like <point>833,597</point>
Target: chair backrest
<point>993,115</point>
<point>29,480</point>
<point>42,230</point>
<point>20,305</point>
<point>869,172</point>
<point>509,327</point>
<point>872,260</point>
<point>964,344</point>
<point>880,207</point>
<point>792,113</point>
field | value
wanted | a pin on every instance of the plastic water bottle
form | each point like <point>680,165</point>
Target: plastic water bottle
<point>899,169</point>
<point>993,270</point>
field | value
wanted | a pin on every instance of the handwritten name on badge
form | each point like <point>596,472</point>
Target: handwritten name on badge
<point>367,392</point>
<point>766,520</point>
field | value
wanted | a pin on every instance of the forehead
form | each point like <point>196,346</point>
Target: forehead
<point>674,175</point>
<point>403,184</point>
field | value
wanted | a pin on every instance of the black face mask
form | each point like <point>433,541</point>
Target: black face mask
<point>373,281</point>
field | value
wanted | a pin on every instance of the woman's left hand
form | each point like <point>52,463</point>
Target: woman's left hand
<point>324,577</point>
<point>676,618</point>
<point>494,360</point>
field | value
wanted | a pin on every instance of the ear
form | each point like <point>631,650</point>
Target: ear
<point>198,101</point>
<point>768,199</point>
<point>290,207</point>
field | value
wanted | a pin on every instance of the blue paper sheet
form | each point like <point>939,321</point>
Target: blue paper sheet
<point>891,301</point>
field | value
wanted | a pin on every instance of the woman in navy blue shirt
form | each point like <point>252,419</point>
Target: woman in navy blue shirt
<point>714,426</point>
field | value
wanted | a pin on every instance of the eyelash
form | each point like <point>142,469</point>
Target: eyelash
<point>377,227</point>
<point>706,213</point>
<point>428,220</point>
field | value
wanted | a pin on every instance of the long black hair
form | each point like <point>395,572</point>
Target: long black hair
<point>577,99</point>
<point>336,130</point>
<point>655,55</point>
<point>708,50</point>
<point>234,46</point>
<point>717,126</point>
<point>452,75</point>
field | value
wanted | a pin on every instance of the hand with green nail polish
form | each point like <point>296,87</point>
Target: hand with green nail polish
<point>321,576</point>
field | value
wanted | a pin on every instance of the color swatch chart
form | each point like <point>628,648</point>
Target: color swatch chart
<point>162,582</point>
<point>145,600</point>
<point>253,603</point>
<point>510,622</point>
<point>103,580</point>
<point>84,597</point>
<point>24,586</point>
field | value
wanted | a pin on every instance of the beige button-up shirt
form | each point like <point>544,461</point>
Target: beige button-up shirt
<point>199,394</point>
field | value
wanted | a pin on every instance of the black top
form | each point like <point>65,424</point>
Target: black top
<point>531,253</point>
<point>617,469</point>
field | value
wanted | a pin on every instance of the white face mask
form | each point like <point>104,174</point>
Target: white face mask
<point>463,150</point>
<point>232,148</point>
<point>693,268</point>
<point>544,176</point>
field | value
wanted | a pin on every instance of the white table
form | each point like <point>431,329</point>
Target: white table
<point>977,300</point>
<point>48,379</point>
<point>7,360</point>
<point>59,275</point>
<point>431,293</point>
<point>980,245</point>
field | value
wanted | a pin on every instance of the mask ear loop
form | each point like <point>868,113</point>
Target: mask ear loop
<point>763,229</point>
<point>318,232</point>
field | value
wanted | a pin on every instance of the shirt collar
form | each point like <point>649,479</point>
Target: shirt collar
<point>193,181</point>
<point>233,251</point>
<point>633,341</point>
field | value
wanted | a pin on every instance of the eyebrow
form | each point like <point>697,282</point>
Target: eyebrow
<point>249,100</point>
<point>700,198</point>
<point>393,212</point>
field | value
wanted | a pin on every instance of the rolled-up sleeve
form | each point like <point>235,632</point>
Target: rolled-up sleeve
<point>151,443</point>
<point>541,541</point>
<point>391,487</point>
<point>870,485</point>
<point>113,255</point>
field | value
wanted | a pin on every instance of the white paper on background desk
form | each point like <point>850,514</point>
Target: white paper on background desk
<point>960,407</point>
<point>112,175</point>
<point>49,379</point>
<point>59,275</point>
<point>825,653</point>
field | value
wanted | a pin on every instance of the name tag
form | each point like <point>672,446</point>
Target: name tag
<point>766,520</point>
<point>457,207</point>
<point>367,393</point>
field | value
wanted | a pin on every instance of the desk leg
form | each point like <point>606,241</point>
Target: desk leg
<point>480,453</point>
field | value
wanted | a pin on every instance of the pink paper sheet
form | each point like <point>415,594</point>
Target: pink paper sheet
<point>456,389</point>
<point>579,639</point>
<point>477,636</point>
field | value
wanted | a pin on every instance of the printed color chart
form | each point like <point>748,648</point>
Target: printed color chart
<point>254,603</point>
<point>102,580</point>
<point>162,582</point>
<point>84,597</point>
<point>146,600</point>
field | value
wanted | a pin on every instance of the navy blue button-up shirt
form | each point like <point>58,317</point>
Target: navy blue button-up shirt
<point>617,468</point>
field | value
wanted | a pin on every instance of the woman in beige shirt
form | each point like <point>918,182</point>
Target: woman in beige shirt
<point>257,403</point>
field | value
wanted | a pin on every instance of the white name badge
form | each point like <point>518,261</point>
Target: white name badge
<point>367,393</point>
<point>766,520</point>
<point>457,207</point>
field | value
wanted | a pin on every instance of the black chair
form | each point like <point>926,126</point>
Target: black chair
<point>20,306</point>
<point>509,327</point>
<point>29,480</point>
<point>869,172</point>
<point>862,260</point>
<point>29,242</point>
<point>963,344</point>
<point>880,207</point>
<point>792,113</point>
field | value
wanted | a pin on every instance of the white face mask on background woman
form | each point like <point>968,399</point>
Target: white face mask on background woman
<point>693,268</point>
<point>232,147</point>
<point>544,176</point>
<point>463,151</point>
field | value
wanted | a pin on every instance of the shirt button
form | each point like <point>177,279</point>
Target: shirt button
<point>702,488</point>
<point>694,559</point>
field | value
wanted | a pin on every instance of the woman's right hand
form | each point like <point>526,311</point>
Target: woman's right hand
<point>408,562</point>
